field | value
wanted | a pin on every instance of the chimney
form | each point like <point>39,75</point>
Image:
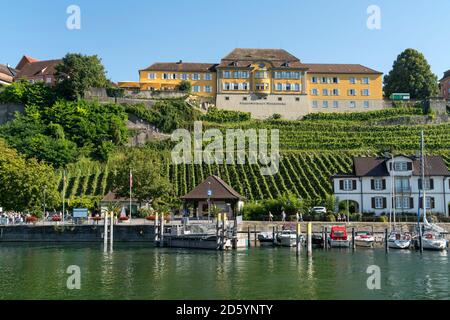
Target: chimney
<point>180,61</point>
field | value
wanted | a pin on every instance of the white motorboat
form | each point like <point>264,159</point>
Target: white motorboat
<point>399,240</point>
<point>265,238</point>
<point>339,237</point>
<point>287,238</point>
<point>364,239</point>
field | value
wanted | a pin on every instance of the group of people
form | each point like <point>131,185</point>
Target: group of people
<point>298,216</point>
<point>10,218</point>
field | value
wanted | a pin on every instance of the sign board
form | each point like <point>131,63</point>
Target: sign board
<point>400,96</point>
<point>80,213</point>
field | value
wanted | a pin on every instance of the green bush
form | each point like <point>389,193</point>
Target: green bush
<point>221,116</point>
<point>365,116</point>
<point>384,219</point>
<point>184,86</point>
<point>330,218</point>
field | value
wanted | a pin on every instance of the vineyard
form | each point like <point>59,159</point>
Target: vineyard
<point>312,150</point>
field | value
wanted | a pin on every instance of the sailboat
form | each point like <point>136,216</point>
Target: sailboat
<point>432,238</point>
<point>397,239</point>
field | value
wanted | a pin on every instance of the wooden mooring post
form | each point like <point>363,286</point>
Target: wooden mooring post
<point>325,240</point>
<point>386,240</point>
<point>248,237</point>
<point>353,239</point>
<point>111,233</point>
<point>309,232</point>
<point>421,229</point>
<point>298,233</point>
<point>161,231</point>
<point>105,233</point>
<point>273,234</point>
<point>156,224</point>
<point>255,235</point>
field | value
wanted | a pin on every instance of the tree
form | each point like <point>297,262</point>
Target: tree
<point>24,182</point>
<point>77,73</point>
<point>184,86</point>
<point>149,183</point>
<point>28,93</point>
<point>411,74</point>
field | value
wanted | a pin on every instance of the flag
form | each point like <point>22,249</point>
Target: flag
<point>131,179</point>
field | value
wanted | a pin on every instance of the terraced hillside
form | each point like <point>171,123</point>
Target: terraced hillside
<point>311,151</point>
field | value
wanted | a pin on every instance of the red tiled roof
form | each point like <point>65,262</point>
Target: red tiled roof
<point>38,68</point>
<point>24,61</point>
<point>243,58</point>
<point>377,167</point>
<point>339,68</point>
<point>182,67</point>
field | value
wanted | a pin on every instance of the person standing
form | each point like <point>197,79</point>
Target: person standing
<point>283,216</point>
<point>297,216</point>
<point>270,216</point>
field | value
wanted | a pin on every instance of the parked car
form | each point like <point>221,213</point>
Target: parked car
<point>319,210</point>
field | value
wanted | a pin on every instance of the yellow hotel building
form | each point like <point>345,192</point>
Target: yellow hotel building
<point>269,81</point>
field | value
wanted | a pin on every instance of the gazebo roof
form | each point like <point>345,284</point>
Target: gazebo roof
<point>219,191</point>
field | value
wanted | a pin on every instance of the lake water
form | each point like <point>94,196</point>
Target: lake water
<point>38,271</point>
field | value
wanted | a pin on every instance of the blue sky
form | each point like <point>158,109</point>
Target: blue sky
<point>130,35</point>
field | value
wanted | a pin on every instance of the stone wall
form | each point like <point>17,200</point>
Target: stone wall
<point>7,111</point>
<point>75,233</point>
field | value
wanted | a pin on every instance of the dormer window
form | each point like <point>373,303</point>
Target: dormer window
<point>402,166</point>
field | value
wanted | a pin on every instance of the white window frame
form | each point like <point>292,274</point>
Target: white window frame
<point>366,104</point>
<point>151,76</point>
<point>325,104</point>
<point>378,184</point>
<point>365,92</point>
<point>314,80</point>
<point>335,104</point>
<point>208,89</point>
<point>314,92</point>
<point>352,80</point>
<point>352,104</point>
<point>208,76</point>
<point>365,80</point>
<point>379,203</point>
<point>401,166</point>
<point>315,104</point>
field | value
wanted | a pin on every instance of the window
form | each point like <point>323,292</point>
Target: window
<point>325,104</point>
<point>208,76</point>
<point>165,76</point>
<point>365,92</point>
<point>226,74</point>
<point>236,86</point>
<point>226,86</point>
<point>378,184</point>
<point>152,76</point>
<point>262,86</point>
<point>279,87</point>
<point>280,99</point>
<point>288,87</point>
<point>245,86</point>
<point>352,104</point>
<point>335,80</point>
<point>335,104</point>
<point>244,98</point>
<point>296,87</point>
<point>184,76</point>
<point>428,184</point>
<point>314,80</point>
<point>352,80</point>
<point>315,104</point>
<point>261,74</point>
<point>403,203</point>
<point>324,80</point>
<point>297,99</point>
<point>402,166</point>
<point>196,89</point>
<point>379,203</point>
<point>227,98</point>
<point>365,80</point>
<point>429,203</point>
<point>314,92</point>
<point>349,185</point>
<point>402,185</point>
<point>208,89</point>
<point>195,76</point>
<point>366,104</point>
<point>352,92</point>
<point>335,92</point>
<point>48,80</point>
<point>325,92</point>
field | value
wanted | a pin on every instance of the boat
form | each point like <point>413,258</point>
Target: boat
<point>339,237</point>
<point>364,239</point>
<point>399,240</point>
<point>432,240</point>
<point>432,235</point>
<point>317,240</point>
<point>287,238</point>
<point>265,238</point>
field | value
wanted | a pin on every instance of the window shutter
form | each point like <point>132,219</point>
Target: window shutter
<point>384,184</point>
<point>409,166</point>
<point>411,203</point>
<point>341,184</point>
<point>354,184</point>
<point>372,184</point>
<point>431,184</point>
<point>384,203</point>
<point>420,184</point>
<point>433,203</point>
<point>373,203</point>
<point>421,203</point>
